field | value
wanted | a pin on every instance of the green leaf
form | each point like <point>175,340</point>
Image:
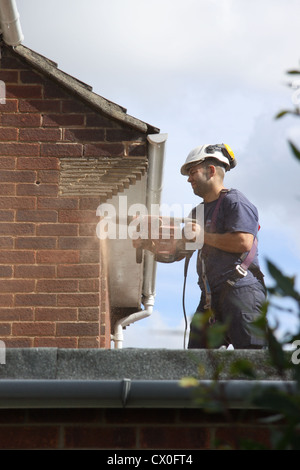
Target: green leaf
<point>293,72</point>
<point>294,149</point>
<point>243,366</point>
<point>285,284</point>
<point>282,113</point>
<point>187,382</point>
<point>279,401</point>
<point>276,352</point>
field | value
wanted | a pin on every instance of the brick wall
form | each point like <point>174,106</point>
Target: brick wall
<point>131,429</point>
<point>53,290</point>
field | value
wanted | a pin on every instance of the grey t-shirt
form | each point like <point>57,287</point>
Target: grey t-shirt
<point>235,214</point>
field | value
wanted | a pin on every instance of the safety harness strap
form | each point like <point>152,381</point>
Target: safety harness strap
<point>242,269</point>
<point>213,224</point>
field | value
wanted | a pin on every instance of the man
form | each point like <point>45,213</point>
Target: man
<point>231,290</point>
<point>232,286</point>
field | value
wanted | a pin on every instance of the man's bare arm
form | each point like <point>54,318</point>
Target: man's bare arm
<point>232,242</point>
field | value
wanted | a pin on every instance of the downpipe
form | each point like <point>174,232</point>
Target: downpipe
<point>118,336</point>
<point>154,187</point>
<point>10,25</point>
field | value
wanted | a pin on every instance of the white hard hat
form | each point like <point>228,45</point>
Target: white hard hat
<point>221,152</point>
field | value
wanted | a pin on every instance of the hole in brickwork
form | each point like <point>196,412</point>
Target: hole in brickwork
<point>37,182</point>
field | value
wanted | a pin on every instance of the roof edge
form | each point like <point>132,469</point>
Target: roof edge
<point>113,110</point>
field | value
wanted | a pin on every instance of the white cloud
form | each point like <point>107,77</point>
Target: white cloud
<point>155,332</point>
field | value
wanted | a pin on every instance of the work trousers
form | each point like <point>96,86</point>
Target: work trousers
<point>235,307</point>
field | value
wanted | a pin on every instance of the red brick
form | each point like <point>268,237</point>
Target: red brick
<point>55,314</point>
<point>37,163</point>
<point>8,134</point>
<point>104,150</point>
<point>88,314</point>
<point>17,202</point>
<point>24,91</point>
<point>15,229</point>
<point>76,216</point>
<point>35,299</point>
<point>29,437</point>
<point>21,120</point>
<point>77,300</point>
<point>7,189</point>
<point>35,271</point>
<point>58,203</point>
<point>12,342</point>
<point>18,257</point>
<point>165,437</point>
<point>46,342</point>
<point>77,329</point>
<point>121,135</point>
<point>85,135</point>
<point>141,416</point>
<point>48,176</point>
<point>88,342</point>
<point>89,203</point>
<point>36,216</point>
<point>5,329</point>
<point>7,216</point>
<point>16,314</point>
<point>57,229</point>
<point>89,285</point>
<point>14,285</point>
<point>28,76</point>
<point>100,437</point>
<point>37,189</point>
<point>78,271</point>
<point>90,256</point>
<point>19,149</point>
<point>10,106</point>
<point>9,76</point>
<point>6,300</point>
<point>60,120</point>
<point>6,271</point>
<point>6,242</point>
<point>41,135</point>
<point>10,62</point>
<point>61,150</point>
<point>56,285</point>
<point>74,106</point>
<point>32,106</point>
<point>8,163</point>
<point>98,120</point>
<point>57,256</point>
<point>17,176</point>
<point>234,438</point>
<point>51,90</point>
<point>78,243</point>
<point>35,243</point>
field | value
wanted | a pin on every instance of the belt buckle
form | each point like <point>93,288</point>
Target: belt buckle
<point>242,272</point>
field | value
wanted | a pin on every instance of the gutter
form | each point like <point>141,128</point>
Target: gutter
<point>10,25</point>
<point>128,393</point>
<point>154,188</point>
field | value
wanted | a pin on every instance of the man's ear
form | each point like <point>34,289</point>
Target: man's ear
<point>211,171</point>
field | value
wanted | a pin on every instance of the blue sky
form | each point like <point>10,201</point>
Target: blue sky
<point>203,71</point>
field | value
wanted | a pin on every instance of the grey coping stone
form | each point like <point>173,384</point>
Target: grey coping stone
<point>130,363</point>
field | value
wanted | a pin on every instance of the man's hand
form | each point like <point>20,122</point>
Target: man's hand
<point>144,244</point>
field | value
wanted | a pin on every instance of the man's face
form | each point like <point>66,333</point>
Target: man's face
<point>198,177</point>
